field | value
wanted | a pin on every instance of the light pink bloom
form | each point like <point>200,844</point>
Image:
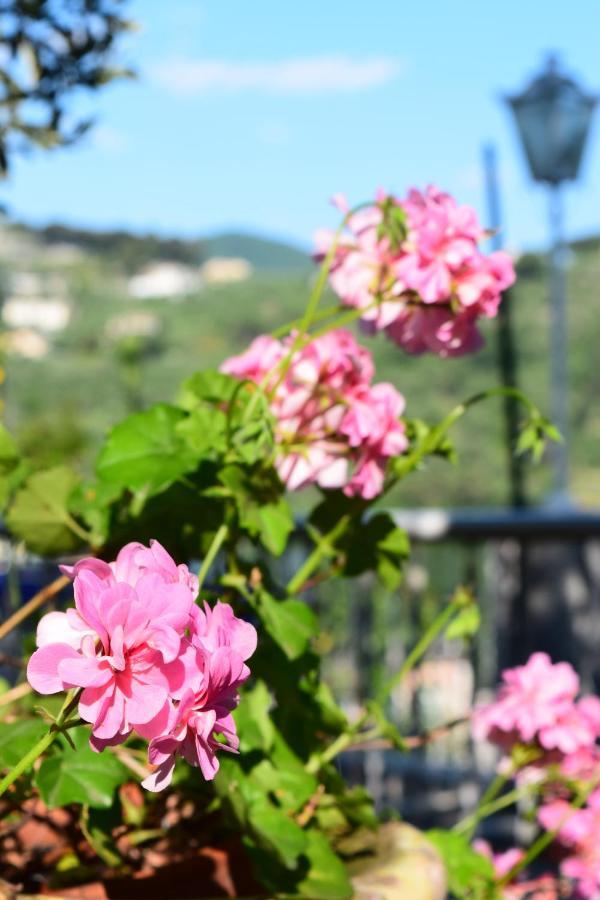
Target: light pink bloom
<point>536,705</point>
<point>428,291</point>
<point>578,830</point>
<point>334,427</point>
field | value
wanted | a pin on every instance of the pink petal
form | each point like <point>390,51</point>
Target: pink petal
<point>42,669</point>
<point>85,672</point>
<point>56,628</point>
<point>161,778</point>
<point>143,701</point>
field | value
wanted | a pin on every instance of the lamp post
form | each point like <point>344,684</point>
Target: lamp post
<point>553,117</point>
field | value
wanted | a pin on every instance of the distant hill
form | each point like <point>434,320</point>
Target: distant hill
<point>133,251</point>
<point>263,254</point>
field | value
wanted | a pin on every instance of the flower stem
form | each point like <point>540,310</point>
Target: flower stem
<point>491,803</point>
<point>216,544</point>
<point>420,648</point>
<point>545,838</point>
<point>322,549</point>
<point>42,745</point>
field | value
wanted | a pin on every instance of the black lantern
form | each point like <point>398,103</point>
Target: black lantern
<point>553,116</point>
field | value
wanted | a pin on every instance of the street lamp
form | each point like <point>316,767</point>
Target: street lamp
<point>553,117</point>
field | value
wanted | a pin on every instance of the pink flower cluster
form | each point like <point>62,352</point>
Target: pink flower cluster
<point>334,427</point>
<point>578,831</point>
<point>147,659</point>
<point>426,288</point>
<point>542,888</point>
<point>537,706</point>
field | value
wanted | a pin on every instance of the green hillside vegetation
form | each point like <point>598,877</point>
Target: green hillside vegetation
<point>132,251</point>
<point>63,404</point>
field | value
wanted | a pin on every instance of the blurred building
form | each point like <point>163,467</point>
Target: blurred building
<point>168,280</point>
<point>226,269</point>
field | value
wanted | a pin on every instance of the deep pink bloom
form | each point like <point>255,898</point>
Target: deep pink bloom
<point>428,290</point>
<point>222,644</point>
<point>333,426</point>
<point>536,705</point>
<point>146,658</point>
<point>121,644</point>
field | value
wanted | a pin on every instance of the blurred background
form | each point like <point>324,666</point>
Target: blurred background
<point>178,226</point>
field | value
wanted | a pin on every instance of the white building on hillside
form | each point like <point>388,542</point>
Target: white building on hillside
<point>164,280</point>
<point>226,269</point>
<point>47,315</point>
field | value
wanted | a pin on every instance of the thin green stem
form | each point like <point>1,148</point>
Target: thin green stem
<point>421,647</point>
<point>319,316</point>
<point>216,544</point>
<point>342,742</point>
<point>545,838</point>
<point>322,550</point>
<point>491,803</point>
<point>42,745</point>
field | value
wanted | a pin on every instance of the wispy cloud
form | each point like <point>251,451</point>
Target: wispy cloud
<point>317,75</point>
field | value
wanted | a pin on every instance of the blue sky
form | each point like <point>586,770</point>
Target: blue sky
<point>251,115</point>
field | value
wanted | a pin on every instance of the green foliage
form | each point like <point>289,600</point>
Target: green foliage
<point>17,738</point>
<point>291,623</point>
<point>470,875</point>
<point>369,544</point>
<point>75,774</point>
<point>39,512</point>
<point>145,452</point>
<point>466,624</point>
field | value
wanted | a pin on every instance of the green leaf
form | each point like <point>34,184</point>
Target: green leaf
<point>204,431</point>
<point>39,513</point>
<point>146,451</point>
<point>290,788</point>
<point>327,878</point>
<point>79,775</point>
<point>207,385</point>
<point>262,511</point>
<point>273,830</point>
<point>469,873</point>
<point>255,728</point>
<point>291,623</point>
<point>17,739</point>
<point>465,624</point>
<point>9,454</point>
<point>275,524</point>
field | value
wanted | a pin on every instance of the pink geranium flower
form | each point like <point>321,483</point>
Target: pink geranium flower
<point>428,290</point>
<point>122,644</point>
<point>334,427</point>
<point>578,830</point>
<point>222,643</point>
<point>536,704</point>
<point>147,659</point>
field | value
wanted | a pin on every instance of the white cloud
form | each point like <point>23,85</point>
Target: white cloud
<point>319,75</point>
